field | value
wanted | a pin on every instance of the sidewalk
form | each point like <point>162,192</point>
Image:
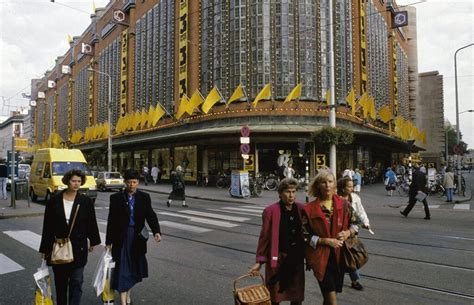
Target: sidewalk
<point>22,209</point>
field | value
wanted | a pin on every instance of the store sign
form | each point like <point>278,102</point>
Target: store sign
<point>123,73</point>
<point>249,163</point>
<point>320,161</point>
<point>363,47</point>
<point>183,47</point>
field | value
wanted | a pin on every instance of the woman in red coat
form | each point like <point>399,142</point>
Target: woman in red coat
<point>327,222</point>
<point>281,246</point>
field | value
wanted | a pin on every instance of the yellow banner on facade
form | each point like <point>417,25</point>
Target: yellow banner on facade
<point>363,48</point>
<point>395,79</point>
<point>91,92</point>
<point>183,48</point>
<point>123,73</point>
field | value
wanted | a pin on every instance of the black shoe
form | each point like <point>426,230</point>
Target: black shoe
<point>168,203</point>
<point>427,218</point>
<point>357,286</point>
<point>403,214</point>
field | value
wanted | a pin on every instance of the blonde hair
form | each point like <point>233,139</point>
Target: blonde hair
<point>313,189</point>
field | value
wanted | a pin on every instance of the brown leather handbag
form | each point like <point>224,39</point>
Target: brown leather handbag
<point>354,255</point>
<point>62,247</point>
<point>257,294</point>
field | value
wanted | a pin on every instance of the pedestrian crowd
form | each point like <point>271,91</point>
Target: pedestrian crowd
<point>293,235</point>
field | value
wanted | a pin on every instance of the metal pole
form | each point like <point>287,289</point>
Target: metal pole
<point>50,106</point>
<point>109,119</point>
<point>446,146</point>
<point>12,175</point>
<point>332,104</point>
<point>457,111</point>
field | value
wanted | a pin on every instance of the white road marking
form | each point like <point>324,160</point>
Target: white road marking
<point>256,214</point>
<point>218,223</point>
<point>28,238</point>
<point>456,237</point>
<point>240,209</point>
<point>462,206</point>
<point>184,227</point>
<point>255,207</point>
<point>7,265</point>
<point>217,216</point>
<point>434,206</point>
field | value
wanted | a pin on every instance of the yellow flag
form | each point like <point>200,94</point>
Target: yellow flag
<point>351,100</point>
<point>195,101</point>
<point>136,120</point>
<point>212,98</point>
<point>238,94</point>
<point>158,113</point>
<point>294,94</point>
<point>385,114</point>
<point>69,38</point>
<point>143,118</point>
<point>94,8</point>
<point>423,137</point>
<point>364,104</point>
<point>119,125</point>
<point>105,131</point>
<point>183,105</point>
<point>372,108</point>
<point>328,97</point>
<point>265,93</point>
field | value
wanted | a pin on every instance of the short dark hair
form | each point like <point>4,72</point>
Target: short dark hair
<point>74,172</point>
<point>131,174</point>
<point>341,185</point>
<point>287,183</point>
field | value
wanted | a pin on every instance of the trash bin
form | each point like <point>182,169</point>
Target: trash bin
<point>21,189</point>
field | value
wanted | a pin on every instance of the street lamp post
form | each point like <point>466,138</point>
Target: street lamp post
<point>457,104</point>
<point>332,92</point>
<point>109,118</point>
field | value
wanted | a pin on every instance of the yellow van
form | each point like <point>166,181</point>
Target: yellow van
<point>48,168</point>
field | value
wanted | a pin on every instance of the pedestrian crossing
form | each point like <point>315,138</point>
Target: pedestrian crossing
<point>185,220</point>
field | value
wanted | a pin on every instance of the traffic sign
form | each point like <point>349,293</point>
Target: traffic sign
<point>244,140</point>
<point>244,149</point>
<point>21,144</point>
<point>245,131</point>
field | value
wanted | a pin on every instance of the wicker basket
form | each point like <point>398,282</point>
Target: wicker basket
<point>251,295</point>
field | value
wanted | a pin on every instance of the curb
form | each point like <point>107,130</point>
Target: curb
<point>464,200</point>
<point>203,198</point>
<point>21,215</point>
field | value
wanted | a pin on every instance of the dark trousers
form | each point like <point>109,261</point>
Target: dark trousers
<point>411,204</point>
<point>67,277</point>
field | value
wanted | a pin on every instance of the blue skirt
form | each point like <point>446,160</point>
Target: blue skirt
<point>129,270</point>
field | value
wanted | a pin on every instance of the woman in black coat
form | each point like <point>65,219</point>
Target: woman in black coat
<point>177,182</point>
<point>126,236</point>
<point>58,218</point>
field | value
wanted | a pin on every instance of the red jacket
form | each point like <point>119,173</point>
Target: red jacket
<point>267,248</point>
<point>317,259</point>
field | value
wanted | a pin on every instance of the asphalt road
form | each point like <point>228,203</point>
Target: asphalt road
<point>206,246</point>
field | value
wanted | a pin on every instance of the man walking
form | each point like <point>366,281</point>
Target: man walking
<point>417,192</point>
<point>3,180</point>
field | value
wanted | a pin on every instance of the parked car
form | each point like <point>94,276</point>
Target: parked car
<point>109,181</point>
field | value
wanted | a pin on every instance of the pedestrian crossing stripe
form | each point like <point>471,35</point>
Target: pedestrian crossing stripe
<point>241,210</point>
<point>184,227</point>
<point>462,206</point>
<point>7,265</point>
<point>28,238</point>
<point>213,215</point>
<point>236,212</point>
<point>217,223</point>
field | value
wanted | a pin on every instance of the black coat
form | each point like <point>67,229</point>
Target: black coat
<point>418,183</point>
<point>177,182</point>
<point>55,225</point>
<point>119,217</point>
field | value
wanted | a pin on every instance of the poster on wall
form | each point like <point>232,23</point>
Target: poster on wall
<point>161,158</point>
<point>186,156</point>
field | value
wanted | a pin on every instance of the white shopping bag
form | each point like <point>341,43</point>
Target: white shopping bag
<point>43,285</point>
<point>100,274</point>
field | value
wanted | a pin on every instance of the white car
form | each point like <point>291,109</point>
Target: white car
<point>109,180</point>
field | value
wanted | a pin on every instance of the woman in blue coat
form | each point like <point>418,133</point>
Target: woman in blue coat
<point>126,236</point>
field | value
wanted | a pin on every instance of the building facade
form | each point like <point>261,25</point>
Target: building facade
<point>430,115</point>
<point>160,51</point>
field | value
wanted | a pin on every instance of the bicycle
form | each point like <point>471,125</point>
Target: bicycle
<point>403,187</point>
<point>255,188</point>
<point>272,182</point>
<point>202,179</point>
<point>223,181</point>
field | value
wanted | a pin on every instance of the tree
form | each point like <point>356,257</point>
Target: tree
<point>452,140</point>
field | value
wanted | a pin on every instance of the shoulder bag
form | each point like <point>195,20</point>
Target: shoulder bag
<point>354,254</point>
<point>62,247</point>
